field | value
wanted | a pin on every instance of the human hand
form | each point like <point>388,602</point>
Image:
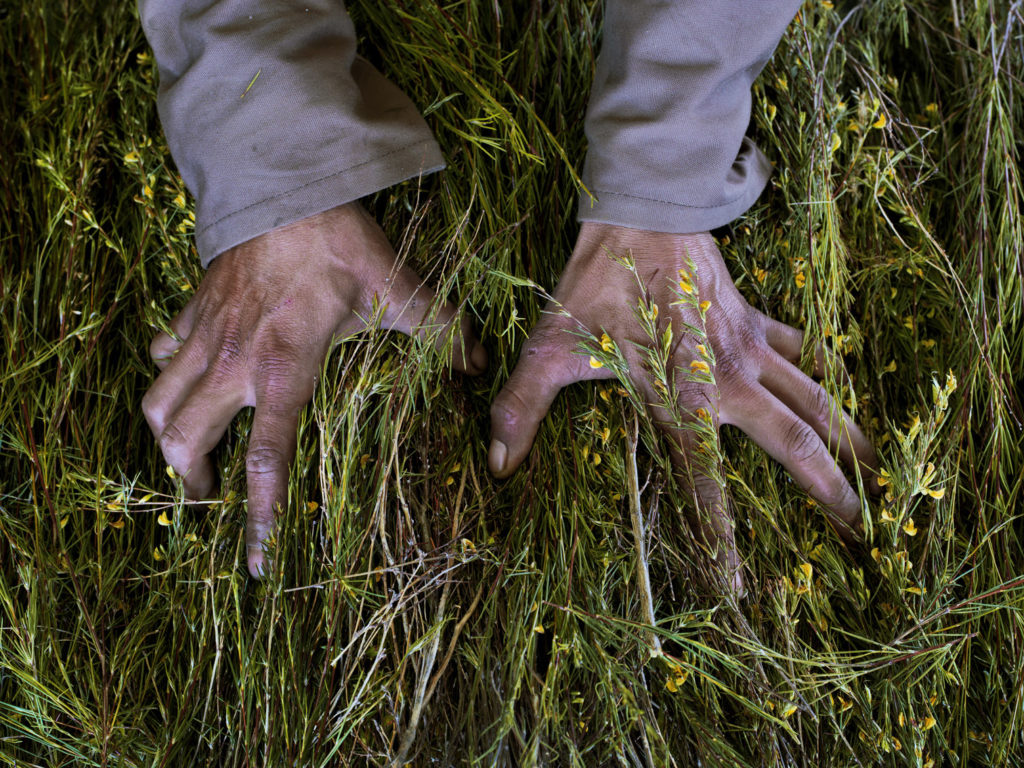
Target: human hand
<point>751,380</point>
<point>256,333</point>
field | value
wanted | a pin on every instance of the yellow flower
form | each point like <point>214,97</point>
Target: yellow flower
<point>770,110</point>
<point>915,590</point>
<point>671,685</point>
<point>782,83</point>
<point>539,629</point>
<point>909,528</point>
<point>808,570</point>
<point>158,554</point>
<point>117,524</point>
<point>902,720</point>
<point>928,724</point>
<point>800,279</point>
<point>880,122</point>
<point>699,365</point>
<point>890,367</point>
<point>789,710</point>
<point>164,519</point>
<point>760,274</point>
<point>606,343</point>
<point>887,516</point>
<point>704,306</point>
<point>311,507</point>
<point>884,477</point>
<point>876,555</point>
<point>936,493</point>
<point>844,704</point>
<point>595,363</point>
<point>147,191</point>
<point>131,157</point>
<point>703,350</point>
<point>170,472</point>
<point>685,283</point>
<point>933,107</point>
<point>179,200</point>
<point>702,414</point>
<point>836,142</point>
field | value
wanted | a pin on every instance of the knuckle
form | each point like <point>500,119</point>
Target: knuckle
<point>506,408</point>
<point>229,352</point>
<point>549,337</point>
<point>264,459</point>
<point>834,493</point>
<point>176,446</point>
<point>820,403</point>
<point>154,411</point>
<point>801,442</point>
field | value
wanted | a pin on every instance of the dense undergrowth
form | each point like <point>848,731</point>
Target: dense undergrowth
<point>422,612</point>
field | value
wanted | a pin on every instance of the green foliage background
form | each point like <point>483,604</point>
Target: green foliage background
<point>423,613</point>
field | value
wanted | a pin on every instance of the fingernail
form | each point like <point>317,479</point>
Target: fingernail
<point>479,356</point>
<point>497,456</point>
<point>255,556</point>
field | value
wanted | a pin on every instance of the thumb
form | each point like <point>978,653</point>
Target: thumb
<point>547,363</point>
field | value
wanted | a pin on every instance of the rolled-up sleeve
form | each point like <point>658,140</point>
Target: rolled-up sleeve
<point>669,110</point>
<point>272,117</point>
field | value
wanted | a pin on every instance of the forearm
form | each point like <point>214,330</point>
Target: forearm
<point>669,109</point>
<point>272,117</point>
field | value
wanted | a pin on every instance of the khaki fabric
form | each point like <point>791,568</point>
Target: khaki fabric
<point>272,117</point>
<point>669,109</point>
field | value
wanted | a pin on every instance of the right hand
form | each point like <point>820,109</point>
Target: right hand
<point>750,376</point>
<point>257,332</point>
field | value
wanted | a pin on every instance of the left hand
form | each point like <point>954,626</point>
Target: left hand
<point>257,332</point>
<point>752,380</point>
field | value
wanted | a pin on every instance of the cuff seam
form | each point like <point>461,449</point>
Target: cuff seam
<point>668,202</point>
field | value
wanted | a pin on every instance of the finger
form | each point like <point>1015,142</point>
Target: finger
<point>195,428</point>
<point>692,433</point>
<point>796,445</point>
<point>816,407</point>
<point>712,514</point>
<point>547,362</point>
<point>272,444</point>
<point>173,386</point>
<point>415,310</point>
<point>789,342</point>
<point>164,346</point>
